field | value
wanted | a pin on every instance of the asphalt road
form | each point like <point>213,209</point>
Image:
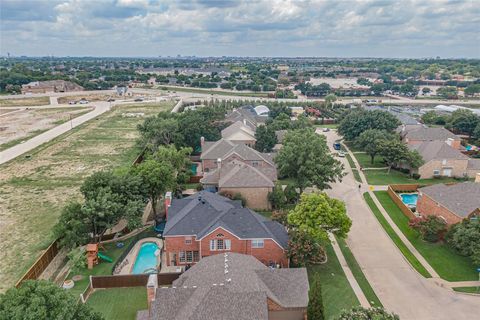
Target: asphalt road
<point>400,288</point>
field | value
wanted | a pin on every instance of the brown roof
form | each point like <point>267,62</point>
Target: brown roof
<point>237,128</point>
<point>430,150</point>
<point>461,198</point>
<point>224,148</point>
<point>430,134</point>
<point>236,174</point>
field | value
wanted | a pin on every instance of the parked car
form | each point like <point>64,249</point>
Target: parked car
<point>110,100</point>
<point>72,102</point>
<point>336,146</point>
<point>326,129</point>
<point>83,102</point>
<point>138,100</point>
<point>341,154</point>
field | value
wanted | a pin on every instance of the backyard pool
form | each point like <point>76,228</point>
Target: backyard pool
<point>146,261</point>
<point>410,199</point>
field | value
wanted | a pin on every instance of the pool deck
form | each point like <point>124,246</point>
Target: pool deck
<point>129,261</point>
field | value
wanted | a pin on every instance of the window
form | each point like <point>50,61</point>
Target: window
<point>212,245</point>
<point>196,256</point>
<point>220,244</point>
<point>181,256</point>
<point>227,244</point>
<point>189,256</point>
<point>257,243</point>
<point>444,161</point>
<point>188,240</point>
<point>436,172</point>
<point>255,163</point>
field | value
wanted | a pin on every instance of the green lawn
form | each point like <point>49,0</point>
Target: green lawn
<point>468,289</point>
<point>356,175</point>
<point>119,303</point>
<point>210,91</point>
<point>382,177</point>
<point>336,291</point>
<point>358,274</point>
<point>350,161</point>
<point>449,265</point>
<point>365,161</point>
<point>330,126</point>
<point>398,242</point>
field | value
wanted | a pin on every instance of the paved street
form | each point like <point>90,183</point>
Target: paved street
<point>400,288</point>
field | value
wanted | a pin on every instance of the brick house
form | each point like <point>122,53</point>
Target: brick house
<point>230,286</point>
<point>418,134</point>
<point>239,132</point>
<point>441,159</point>
<point>206,224</point>
<point>452,203</point>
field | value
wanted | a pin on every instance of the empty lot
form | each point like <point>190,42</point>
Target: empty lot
<point>25,102</point>
<point>33,191</point>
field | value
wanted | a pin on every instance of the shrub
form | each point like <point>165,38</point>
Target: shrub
<point>238,196</point>
<point>431,227</point>
<point>280,216</point>
<point>304,250</point>
<point>315,302</point>
<point>277,197</point>
<point>415,176</point>
<point>291,194</point>
<point>359,313</point>
<point>465,239</point>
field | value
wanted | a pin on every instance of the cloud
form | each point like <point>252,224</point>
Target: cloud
<point>412,28</point>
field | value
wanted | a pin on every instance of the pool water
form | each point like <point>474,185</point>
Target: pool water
<point>146,261</point>
<point>409,199</point>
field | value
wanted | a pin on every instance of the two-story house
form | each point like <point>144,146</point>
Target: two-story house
<point>205,224</point>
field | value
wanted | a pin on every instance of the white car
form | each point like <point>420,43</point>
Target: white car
<point>341,154</point>
<point>83,102</point>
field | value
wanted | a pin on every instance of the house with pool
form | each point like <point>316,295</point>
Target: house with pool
<point>206,224</point>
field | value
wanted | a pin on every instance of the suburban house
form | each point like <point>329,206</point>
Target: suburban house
<point>452,203</point>
<point>417,134</point>
<point>239,132</point>
<point>50,86</point>
<point>280,135</point>
<point>249,115</point>
<point>206,224</point>
<point>236,177</point>
<point>227,150</point>
<point>230,286</point>
<point>441,159</point>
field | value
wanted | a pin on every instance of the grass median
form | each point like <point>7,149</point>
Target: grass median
<point>448,264</point>
<point>395,238</point>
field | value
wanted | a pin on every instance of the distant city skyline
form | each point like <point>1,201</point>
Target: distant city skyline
<point>212,28</point>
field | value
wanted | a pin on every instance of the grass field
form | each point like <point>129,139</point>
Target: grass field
<point>119,303</point>
<point>395,238</point>
<point>449,265</point>
<point>210,91</point>
<point>25,102</point>
<point>336,291</point>
<point>382,177</point>
<point>358,274</point>
<point>33,191</point>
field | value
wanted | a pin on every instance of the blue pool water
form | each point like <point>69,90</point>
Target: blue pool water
<point>409,199</point>
<point>146,261</point>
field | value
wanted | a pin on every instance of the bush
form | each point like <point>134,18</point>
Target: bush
<point>315,302</point>
<point>291,194</point>
<point>465,239</point>
<point>280,216</point>
<point>304,250</point>
<point>432,227</point>
<point>277,197</point>
<point>415,176</point>
<point>359,313</point>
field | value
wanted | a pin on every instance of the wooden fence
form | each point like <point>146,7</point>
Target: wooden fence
<point>40,264</point>
<point>392,192</point>
<point>130,280</point>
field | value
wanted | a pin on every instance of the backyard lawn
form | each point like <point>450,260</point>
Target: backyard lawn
<point>395,238</point>
<point>34,190</point>
<point>336,291</point>
<point>449,265</point>
<point>382,177</point>
<point>119,303</point>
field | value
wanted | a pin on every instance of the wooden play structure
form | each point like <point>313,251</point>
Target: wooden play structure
<point>92,255</point>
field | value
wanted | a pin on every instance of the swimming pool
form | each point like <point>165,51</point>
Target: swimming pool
<point>410,199</point>
<point>146,261</point>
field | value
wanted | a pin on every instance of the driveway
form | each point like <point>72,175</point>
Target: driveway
<point>400,288</point>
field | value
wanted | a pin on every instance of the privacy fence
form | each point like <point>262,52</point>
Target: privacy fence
<point>393,191</point>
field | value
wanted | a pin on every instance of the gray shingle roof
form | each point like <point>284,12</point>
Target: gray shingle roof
<point>204,291</point>
<point>461,198</point>
<point>204,212</point>
<point>430,134</point>
<point>474,164</point>
<point>430,150</point>
<point>236,174</point>
<point>238,127</point>
<point>224,148</point>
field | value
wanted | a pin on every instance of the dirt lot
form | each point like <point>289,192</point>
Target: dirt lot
<point>33,191</point>
<point>25,102</point>
<point>24,124</point>
<point>89,97</point>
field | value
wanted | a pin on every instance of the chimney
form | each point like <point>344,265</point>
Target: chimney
<point>477,177</point>
<point>152,286</point>
<point>168,201</point>
<point>202,142</point>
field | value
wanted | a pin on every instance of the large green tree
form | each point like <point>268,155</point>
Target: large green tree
<point>317,214</point>
<point>159,130</point>
<point>370,141</point>
<point>43,300</point>
<point>266,139</point>
<point>306,159</point>
<point>393,152</point>
<point>303,249</point>
<point>358,121</point>
<point>464,121</point>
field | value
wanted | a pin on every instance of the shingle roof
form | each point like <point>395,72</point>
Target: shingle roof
<point>280,134</point>
<point>246,113</point>
<point>204,212</point>
<point>431,134</point>
<point>206,291</point>
<point>224,148</point>
<point>236,174</point>
<point>461,198</point>
<point>430,150</point>
<point>238,131</point>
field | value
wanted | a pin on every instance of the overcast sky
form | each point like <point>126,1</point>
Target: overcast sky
<point>241,28</point>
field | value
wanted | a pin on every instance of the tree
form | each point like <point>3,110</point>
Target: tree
<point>464,121</point>
<point>414,160</point>
<point>358,313</point>
<point>157,178</point>
<point>393,151</point>
<point>315,302</point>
<point>305,158</point>
<point>277,197</point>
<point>431,227</point>
<point>266,139</point>
<point>426,90</point>
<point>472,89</point>
<point>71,227</point>
<point>432,117</point>
<point>476,132</point>
<point>369,141</point>
<point>317,214</point>
<point>464,237</point>
<point>447,92</point>
<point>358,121</point>
<point>329,100</point>
<point>40,299</point>
<point>159,130</point>
<point>303,249</point>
